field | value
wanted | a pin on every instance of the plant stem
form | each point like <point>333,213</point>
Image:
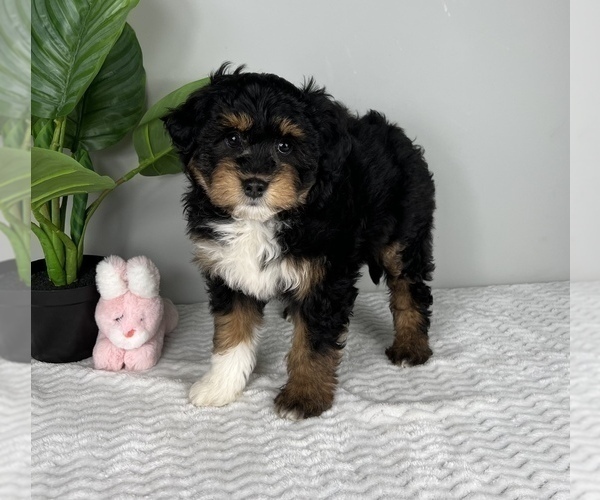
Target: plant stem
<point>59,134</point>
<point>55,219</point>
<point>45,210</point>
<point>55,214</point>
<point>70,260</point>
<point>63,131</point>
<point>55,271</point>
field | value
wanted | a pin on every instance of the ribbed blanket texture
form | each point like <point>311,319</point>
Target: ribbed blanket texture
<point>486,417</point>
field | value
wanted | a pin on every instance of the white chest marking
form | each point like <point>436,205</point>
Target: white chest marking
<point>247,256</point>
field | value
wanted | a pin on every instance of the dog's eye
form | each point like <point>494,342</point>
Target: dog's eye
<point>233,140</point>
<point>119,318</point>
<point>284,147</point>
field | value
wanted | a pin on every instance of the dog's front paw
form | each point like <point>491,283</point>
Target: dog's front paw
<point>416,354</point>
<point>294,405</point>
<point>210,390</point>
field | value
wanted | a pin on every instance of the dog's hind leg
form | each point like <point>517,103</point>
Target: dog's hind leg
<point>410,300</point>
<point>236,318</point>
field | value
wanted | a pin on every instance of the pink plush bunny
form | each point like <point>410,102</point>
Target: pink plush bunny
<point>131,315</point>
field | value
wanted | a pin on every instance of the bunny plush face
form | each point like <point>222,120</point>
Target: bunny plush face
<point>129,321</point>
<point>130,309</point>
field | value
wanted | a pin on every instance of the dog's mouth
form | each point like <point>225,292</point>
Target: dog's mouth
<point>253,210</point>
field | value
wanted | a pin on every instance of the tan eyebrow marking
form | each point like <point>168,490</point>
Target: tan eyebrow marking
<point>239,121</point>
<point>288,127</point>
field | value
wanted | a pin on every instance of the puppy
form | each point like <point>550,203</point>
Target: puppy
<point>289,196</point>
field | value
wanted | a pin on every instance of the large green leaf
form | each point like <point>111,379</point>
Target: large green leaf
<point>15,176</point>
<point>70,41</point>
<point>114,102</point>
<point>151,141</point>
<point>55,174</point>
<point>15,58</point>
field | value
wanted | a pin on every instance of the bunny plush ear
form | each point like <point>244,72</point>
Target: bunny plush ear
<point>143,277</point>
<point>110,277</point>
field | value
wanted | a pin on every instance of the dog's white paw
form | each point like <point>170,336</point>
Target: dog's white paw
<point>210,391</point>
<point>226,378</point>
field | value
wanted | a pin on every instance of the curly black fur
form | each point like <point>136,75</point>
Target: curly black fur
<point>369,187</point>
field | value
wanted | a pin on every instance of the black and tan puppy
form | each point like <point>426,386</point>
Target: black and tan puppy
<point>289,196</point>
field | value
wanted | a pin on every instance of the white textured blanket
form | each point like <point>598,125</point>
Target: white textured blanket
<point>487,416</point>
<point>585,391</point>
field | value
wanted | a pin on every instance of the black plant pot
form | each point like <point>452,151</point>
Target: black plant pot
<point>63,328</point>
<point>15,315</point>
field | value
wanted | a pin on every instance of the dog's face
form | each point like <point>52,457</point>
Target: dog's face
<point>256,144</point>
<point>255,155</point>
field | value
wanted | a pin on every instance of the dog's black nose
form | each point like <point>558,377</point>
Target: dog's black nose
<point>254,188</point>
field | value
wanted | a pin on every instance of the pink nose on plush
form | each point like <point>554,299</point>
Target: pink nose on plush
<point>130,333</point>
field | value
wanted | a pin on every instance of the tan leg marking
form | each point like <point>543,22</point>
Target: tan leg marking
<point>235,327</point>
<point>411,345</point>
<point>312,378</point>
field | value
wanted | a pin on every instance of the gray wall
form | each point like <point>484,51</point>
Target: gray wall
<point>585,146</point>
<point>482,85</point>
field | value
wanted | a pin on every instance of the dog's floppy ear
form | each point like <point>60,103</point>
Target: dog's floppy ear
<point>331,121</point>
<point>183,123</point>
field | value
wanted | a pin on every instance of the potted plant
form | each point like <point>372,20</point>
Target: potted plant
<point>88,92</point>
